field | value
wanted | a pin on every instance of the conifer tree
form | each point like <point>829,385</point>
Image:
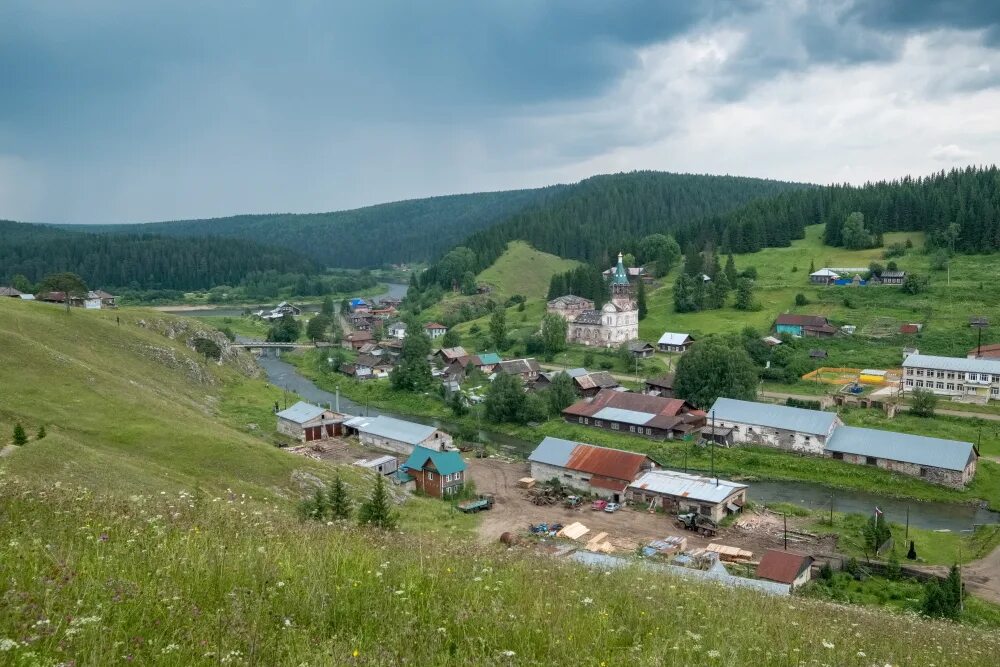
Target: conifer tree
<point>41,432</point>
<point>641,300</point>
<point>20,437</point>
<point>731,273</point>
<point>338,500</point>
<point>377,510</point>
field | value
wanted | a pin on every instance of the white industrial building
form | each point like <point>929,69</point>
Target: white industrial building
<point>794,429</point>
<point>396,435</point>
<point>970,379</point>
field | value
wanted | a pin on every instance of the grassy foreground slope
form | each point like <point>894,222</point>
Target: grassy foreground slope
<point>125,407</point>
<point>183,580</point>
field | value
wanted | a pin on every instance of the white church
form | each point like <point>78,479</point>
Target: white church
<point>615,323</point>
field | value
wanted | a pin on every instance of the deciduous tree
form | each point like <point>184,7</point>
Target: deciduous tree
<point>715,367</point>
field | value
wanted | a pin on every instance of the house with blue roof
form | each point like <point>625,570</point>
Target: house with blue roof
<point>439,474</point>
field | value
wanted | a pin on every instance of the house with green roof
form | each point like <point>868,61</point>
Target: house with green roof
<point>438,474</point>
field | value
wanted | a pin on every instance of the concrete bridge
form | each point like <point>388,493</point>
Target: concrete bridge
<point>268,345</point>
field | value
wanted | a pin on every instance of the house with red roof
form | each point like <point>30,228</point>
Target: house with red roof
<point>435,330</point>
<point>637,414</point>
<point>785,567</point>
<point>602,471</point>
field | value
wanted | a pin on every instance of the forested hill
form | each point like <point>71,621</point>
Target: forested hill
<point>600,215</point>
<point>152,262</point>
<point>406,231</point>
<point>960,208</point>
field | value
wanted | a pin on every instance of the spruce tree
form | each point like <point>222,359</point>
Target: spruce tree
<point>731,273</point>
<point>41,433</point>
<point>338,500</point>
<point>20,437</point>
<point>377,511</point>
<point>641,300</point>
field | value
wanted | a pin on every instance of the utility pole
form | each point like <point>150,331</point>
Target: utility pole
<point>831,508</point>
<point>785,518</point>
<point>711,444</point>
<point>907,535</point>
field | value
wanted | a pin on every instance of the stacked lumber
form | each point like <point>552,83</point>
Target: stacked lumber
<point>525,483</point>
<point>730,554</point>
<point>574,531</point>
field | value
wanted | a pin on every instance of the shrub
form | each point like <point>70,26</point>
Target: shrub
<point>20,437</point>
<point>801,300</point>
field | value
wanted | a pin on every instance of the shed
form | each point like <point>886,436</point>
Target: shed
<point>384,465</point>
<point>307,422</point>
<point>679,492</point>
<point>602,471</point>
<point>785,567</point>
<point>397,435</point>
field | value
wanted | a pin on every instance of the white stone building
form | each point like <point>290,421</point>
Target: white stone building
<point>615,323</point>
<point>780,426</point>
<point>970,379</point>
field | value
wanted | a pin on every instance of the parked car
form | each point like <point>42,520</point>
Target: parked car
<point>612,507</point>
<point>598,505</point>
<point>573,501</point>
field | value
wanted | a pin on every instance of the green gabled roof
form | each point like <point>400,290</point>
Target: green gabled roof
<point>489,358</point>
<point>621,276</point>
<point>446,463</point>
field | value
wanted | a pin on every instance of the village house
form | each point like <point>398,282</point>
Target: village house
<point>601,471</point>
<point>674,342</point>
<point>485,362</point>
<point>440,474</point>
<point>823,277</point>
<point>585,383</point>
<point>396,435</point>
<point>383,314</point>
<point>661,385</point>
<point>991,351</point>
<point>397,330</point>
<point>361,321</point>
<point>679,493</point>
<point>447,355</point>
<point>278,312</point>
<point>569,306</point>
<point>641,349</point>
<point>307,422</point>
<point>526,369</point>
<point>792,429</point>
<point>9,291</point>
<point>785,567</point>
<point>817,353</point>
<point>359,305</point>
<point>804,325</point>
<point>368,366</point>
<point>892,277</point>
<point>357,339</point>
<point>615,323</point>
<point>639,414</point>
<point>946,462</point>
<point>435,330</point>
<point>971,379</point>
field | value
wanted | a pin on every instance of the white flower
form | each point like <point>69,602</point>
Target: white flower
<point>861,654</point>
<point>693,635</point>
<point>587,601</point>
<point>7,644</point>
<point>508,654</point>
<point>827,644</point>
<point>281,584</point>
<point>169,648</point>
<point>713,654</point>
<point>288,622</point>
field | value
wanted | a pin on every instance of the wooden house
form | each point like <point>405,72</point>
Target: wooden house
<point>804,325</point>
<point>438,474</point>
<point>674,342</point>
<point>638,414</point>
<point>306,422</point>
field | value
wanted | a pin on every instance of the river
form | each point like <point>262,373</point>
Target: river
<point>394,290</point>
<point>928,515</point>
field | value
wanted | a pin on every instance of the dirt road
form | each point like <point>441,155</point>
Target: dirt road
<point>983,577</point>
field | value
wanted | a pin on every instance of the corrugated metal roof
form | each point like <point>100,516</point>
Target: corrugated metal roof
<point>682,484</point>
<point>395,429</point>
<point>782,566</point>
<point>604,461</point>
<point>959,364</point>
<point>814,422</point>
<point>489,359</point>
<point>915,449</point>
<point>301,412</point>
<point>445,463</point>
<point>553,451</point>
<point>624,416</point>
<point>670,338</point>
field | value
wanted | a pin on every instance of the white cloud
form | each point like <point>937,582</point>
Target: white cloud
<point>950,153</point>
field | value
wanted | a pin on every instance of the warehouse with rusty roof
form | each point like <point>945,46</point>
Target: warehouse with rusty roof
<point>602,471</point>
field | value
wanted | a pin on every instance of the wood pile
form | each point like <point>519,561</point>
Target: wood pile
<point>526,483</point>
<point>544,495</point>
<point>574,531</point>
<point>730,554</point>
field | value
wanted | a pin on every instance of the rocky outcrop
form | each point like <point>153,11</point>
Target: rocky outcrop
<point>187,331</point>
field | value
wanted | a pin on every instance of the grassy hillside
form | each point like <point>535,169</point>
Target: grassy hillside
<point>415,230</point>
<point>183,580</point>
<point>524,270</point>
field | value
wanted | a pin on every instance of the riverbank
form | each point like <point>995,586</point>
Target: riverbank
<point>743,463</point>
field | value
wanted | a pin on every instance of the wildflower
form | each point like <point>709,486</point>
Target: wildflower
<point>7,644</point>
<point>713,654</point>
<point>508,654</point>
<point>442,630</point>
<point>288,622</point>
<point>693,635</point>
<point>281,584</point>
<point>827,644</point>
<point>169,648</point>
<point>587,601</point>
<point>355,653</point>
<point>861,654</point>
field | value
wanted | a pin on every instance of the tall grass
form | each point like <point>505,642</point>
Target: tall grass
<point>186,579</point>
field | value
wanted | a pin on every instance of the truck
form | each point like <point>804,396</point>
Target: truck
<point>479,504</point>
<point>698,524</point>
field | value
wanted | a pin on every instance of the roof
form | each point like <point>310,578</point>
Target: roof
<point>397,326</point>
<point>453,352</point>
<point>802,320</point>
<point>435,325</point>
<point>893,274</point>
<point>705,489</point>
<point>374,463</point>
<point>518,366</point>
<point>446,463</point>
<point>632,408</point>
<point>9,291</point>
<point>620,276</point>
<point>639,345</point>
<point>302,412</point>
<point>355,336</point>
<point>916,449</point>
<point>663,381</point>
<point>782,566</point>
<point>992,350</point>
<point>393,429</point>
<point>589,317</point>
<point>671,338</point>
<point>824,273</point>
<point>357,301</point>
<point>959,364</point>
<point>801,420</point>
<point>909,329</point>
<point>615,464</point>
<point>371,361</point>
<point>488,358</point>
<point>817,354</point>
<point>571,299</point>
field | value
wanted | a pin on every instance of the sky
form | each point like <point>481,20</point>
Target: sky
<point>127,112</point>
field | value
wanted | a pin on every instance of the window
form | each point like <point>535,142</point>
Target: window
<point>940,374</point>
<point>430,475</point>
<point>951,385</point>
<point>940,385</point>
<point>920,371</point>
<point>649,431</point>
<point>923,472</point>
<point>586,420</point>
<point>614,426</point>
<point>580,419</point>
<point>567,475</point>
<point>631,428</point>
<point>984,377</point>
<point>995,391</point>
<point>960,387</point>
<point>909,383</point>
<point>920,383</point>
<point>951,376</point>
<point>839,456</point>
<point>598,422</point>
<point>870,461</point>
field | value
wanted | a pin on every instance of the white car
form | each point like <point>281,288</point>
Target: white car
<point>612,507</point>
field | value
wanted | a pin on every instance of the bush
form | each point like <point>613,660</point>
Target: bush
<point>923,403</point>
<point>894,250</point>
<point>20,437</point>
<point>801,300</point>
<point>914,284</point>
<point>749,272</point>
<point>799,403</point>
